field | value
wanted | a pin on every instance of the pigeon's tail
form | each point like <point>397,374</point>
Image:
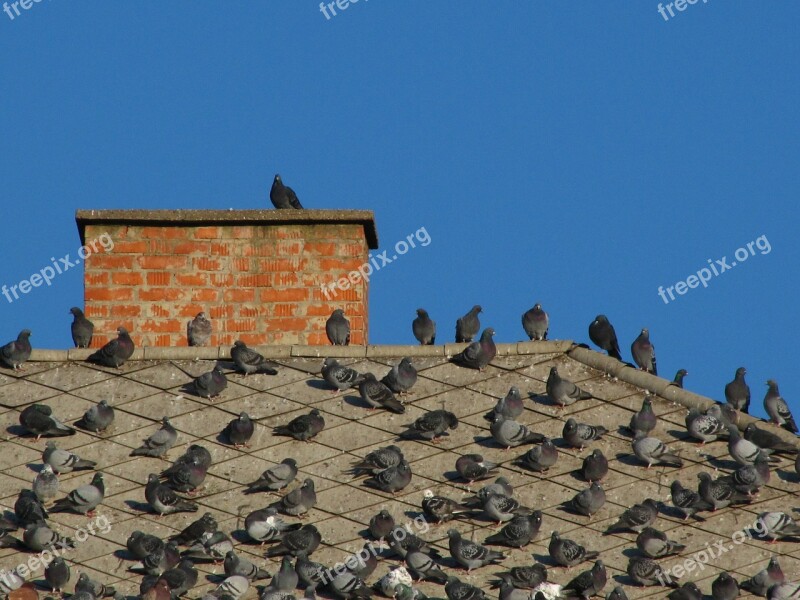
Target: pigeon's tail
<point>600,429</point>
<point>185,506</point>
<point>494,556</point>
<point>277,550</point>
<point>497,538</point>
<point>670,460</point>
<point>256,486</point>
<point>489,416</point>
<point>145,451</point>
<point>437,576</point>
<point>534,438</point>
<point>59,429</point>
<point>281,430</point>
<point>790,425</point>
<point>614,353</point>
<point>267,370</point>
<point>591,555</point>
<point>9,541</point>
<point>395,406</point>
<point>654,370</point>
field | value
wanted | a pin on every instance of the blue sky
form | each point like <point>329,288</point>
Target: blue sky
<point>576,154</point>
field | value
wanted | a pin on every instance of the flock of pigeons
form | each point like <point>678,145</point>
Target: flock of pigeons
<point>168,566</point>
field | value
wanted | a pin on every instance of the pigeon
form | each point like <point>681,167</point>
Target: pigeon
<point>282,196</point>
<point>719,493</point>
<point>776,526</point>
<point>95,588</point>
<point>38,419</point>
<point>378,461</point>
<point>784,591</point>
<point>286,579</point>
<point>116,352</point>
<point>209,385</point>
<point>500,508</point>
<point>38,537</point>
<point>510,406</point>
<point>478,354</point>
<point>440,509</point>
<point>688,591</point>
<point>82,328</point>
<point>198,330</point>
<point>57,574</point>
<point>232,587</point>
<point>468,326</point>
<point>724,413</point>
<point>401,378</point>
<point>302,428</point>
<point>424,328</point>
<point>472,467</point>
<point>655,544</point>
<point>212,548</point>
<point>311,573</point>
<point>508,592</point>
<point>164,557</point>
<point>432,425</point>
<point>653,451</point>
<point>562,391</point>
<point>250,362</point>
<point>645,420</point>
<point>17,352</point>
<point>568,553</point>
<point>777,408</point>
<point>45,484</point>
<point>595,466</point>
<point>402,541</point>
<point>760,583</point>
<point>391,480</point>
<point>643,352</point>
<point>750,478</point>
<point>299,501</point>
<point>588,501</point>
<point>422,566</point>
<point>339,376</point>
<point>195,454</point>
<point>159,443</point>
<point>266,526</point>
<point>163,499</point>
<point>768,440</point>
<point>737,392</point>
<point>28,509</point>
<point>510,434</point>
<point>345,584</point>
<point>522,578</point>
<point>377,395</point>
<point>741,450</point>
<point>196,531</point>
<point>519,531</point>
<point>239,430</point>
<point>83,499</point>
<point>337,328</point>
<point>618,593</point>
<point>578,435</point>
<point>678,379</point>
<point>645,571</point>
<point>587,584</point>
<point>535,322</point>
<point>797,465</point>
<point>381,525</point>
<point>539,458</point>
<point>724,587</point>
<point>181,578</point>
<point>274,478</point>
<point>469,554</point>
<point>97,418</point>
<point>455,589</point>
<point>301,541</point>
<point>602,334</point>
<point>636,518</point>
<point>704,427</point>
<point>688,502</point>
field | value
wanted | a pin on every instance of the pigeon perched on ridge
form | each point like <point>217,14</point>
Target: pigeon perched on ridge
<point>339,376</point>
<point>568,553</point>
<point>587,584</point>
<point>678,379</point>
<point>519,531</point>
<point>163,499</point>
<point>643,352</point>
<point>719,493</point>
<point>439,508</point>
<point>704,428</point>
<point>647,572</point>
<point>737,392</point>
<point>377,395</point>
<point>645,420</point>
<point>299,501</point>
<point>595,466</point>
<point>401,378</point>
<point>282,196</point>
<point>578,435</point>
<point>116,352</point>
<point>468,326</point>
<point>64,461</point>
<point>378,461</point>
<point>469,554</point>
<point>424,328</point>
<point>38,419</point>
<point>724,587</point>
<point>239,430</point>
<point>510,406</point>
<point>198,330</point>
<point>210,384</point>
<point>653,451</point>
<point>768,440</point>
<point>97,418</point>
<point>300,541</point>
<point>196,531</point>
<point>510,434</point>
<point>562,391</point>
<point>274,478</point>
<point>655,544</point>
<point>478,354</point>
<point>636,518</point>
<point>724,413</point>
<point>472,467</point>
<point>535,322</point>
<point>432,425</point>
<point>760,583</point>
<point>391,480</point>
<point>45,484</point>
<point>14,354</point>
<point>602,333</point>
<point>337,328</point>
<point>688,502</point>
<point>588,501</point>
<point>160,442</point>
<point>83,499</point>
<point>250,362</point>
<point>82,328</point>
<point>302,428</point>
<point>777,408</point>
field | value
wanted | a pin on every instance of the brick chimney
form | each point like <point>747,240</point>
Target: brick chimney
<point>263,276</point>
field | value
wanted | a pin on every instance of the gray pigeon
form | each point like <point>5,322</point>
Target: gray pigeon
<point>401,378</point>
<point>636,518</point>
<point>97,418</point>
<point>578,435</point>
<point>187,476</point>
<point>82,328</point>
<point>472,467</point>
<point>562,391</point>
<point>310,573</point>
<point>784,591</point>
<point>299,501</point>
<point>768,440</point>
<point>688,591</point>
<point>455,589</point>
<point>163,558</point>
<point>15,353</point>
<point>212,548</point>
<point>478,354</point>
<point>595,466</point>
<point>302,428</point>
<point>38,419</point>
<point>209,385</point>
<point>95,588</point>
<point>522,578</point>
<point>724,587</point>
<point>468,326</point>
<point>655,544</point>
<point>45,484</point>
<point>181,578</point>
<point>402,541</point>
<point>232,587</point>
<point>337,327</point>
<point>381,525</point>
<point>439,509</point>
<point>741,450</point>
<point>266,525</point>
<point>647,572</point>
<point>618,593</point>
<point>195,454</point>
<point>378,461</point>
<point>196,531</point>
<point>240,430</point>
<point>198,330</point>
<point>301,541</point>
<point>688,502</point>
<point>83,499</point>
<point>737,392</point>
<point>249,362</point>
<point>750,478</point>
<point>760,583</point>
<point>339,376</point>
<point>286,579</point>
<point>345,584</point>
<point>163,499</point>
<point>777,408</point>
<point>510,406</point>
<point>432,425</point>
<point>160,442</point>
<point>588,501</point>
<point>719,493</point>
<point>510,434</point>
<point>391,480</point>
<point>274,478</point>
<point>643,352</point>
<point>704,427</point>
<point>38,537</point>
<point>519,531</point>
<point>602,333</point>
<point>645,420</point>
<point>116,352</point>
<point>282,196</point>
<point>424,328</point>
<point>567,553</point>
<point>64,461</point>
<point>724,413</point>
<point>535,322</point>
<point>377,395</point>
<point>677,381</point>
<point>653,451</point>
<point>539,458</point>
<point>423,566</point>
<point>587,584</point>
<point>28,509</point>
<point>469,554</point>
<point>57,574</point>
<point>500,508</point>
<point>777,526</point>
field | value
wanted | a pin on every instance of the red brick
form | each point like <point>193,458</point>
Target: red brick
<point>125,310</point>
<point>108,262</point>
<point>242,233</point>
<point>320,310</point>
<point>159,311</point>
<point>321,248</point>
<point>241,264</point>
<point>191,248</point>
<point>126,278</point>
<point>317,339</point>
<point>161,326</point>
<point>255,339</point>
<point>282,264</point>
<point>284,295</point>
<point>207,233</point>
<point>95,278</point>
<point>285,279</point>
<point>205,296</point>
<point>162,262</point>
<point>289,248</point>
<point>240,325</point>
<point>96,311</point>
<point>286,310</point>
<point>238,295</point>
<point>254,281</point>
<point>162,294</point>
<point>261,248</point>
<point>128,247</point>
<point>159,278</point>
<point>191,279</point>
<point>285,324</point>
<point>221,249</point>
<point>164,233</point>
<point>161,340</point>
<point>249,312</point>
<point>221,312</point>
<point>107,294</point>
<point>207,264</point>
<point>339,264</point>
